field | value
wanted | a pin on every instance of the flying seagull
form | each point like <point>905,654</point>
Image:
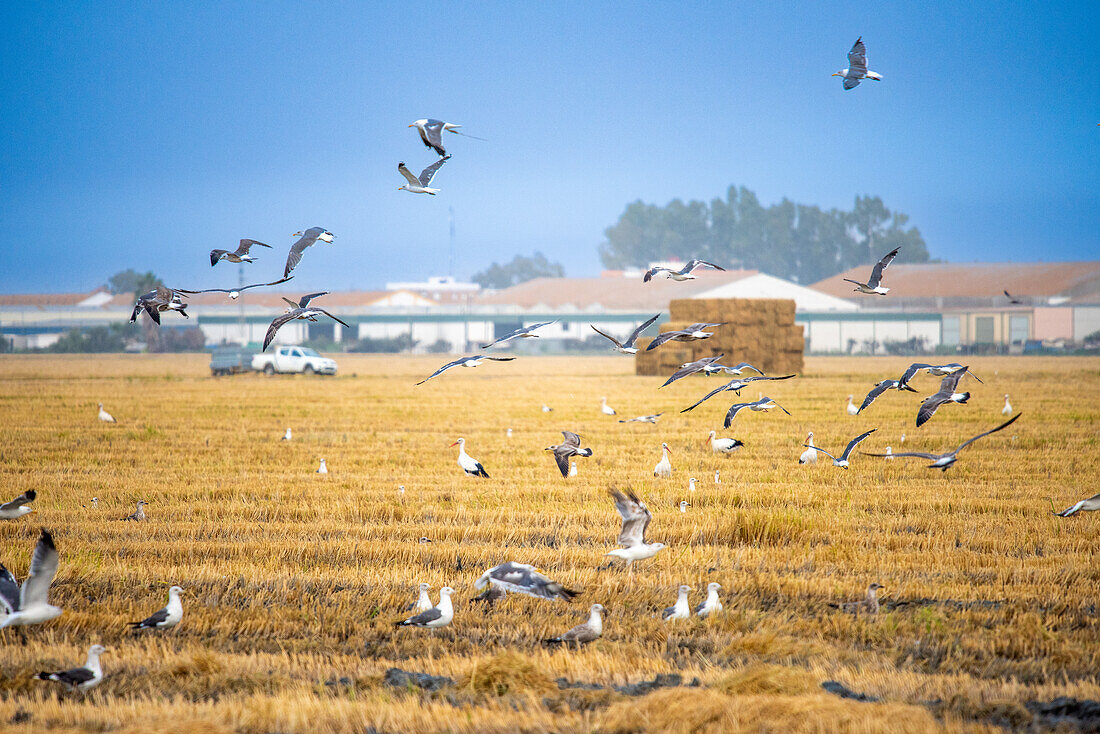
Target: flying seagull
<point>764,404</point>
<point>299,310</point>
<point>79,679</point>
<point>939,370</point>
<point>567,449</point>
<point>738,369</point>
<point>18,506</point>
<point>582,634</point>
<point>420,185</point>
<point>431,133</point>
<point>1092,504</point>
<point>946,394</point>
<point>636,518</point>
<point>438,616</point>
<point>690,368</point>
<point>690,334</point>
<point>842,462</point>
<point>469,464</point>
<point>683,273</point>
<point>1013,299</point>
<point>471,361</point>
<point>240,255</point>
<point>680,610</point>
<point>306,238</point>
<point>879,389</point>
<point>872,286</point>
<point>165,618</point>
<point>30,604</point>
<point>857,67</point>
<point>643,419</point>
<point>235,293</point>
<point>524,332</point>
<point>105,416</point>
<point>158,300</point>
<point>627,347</point>
<point>138,514</point>
<point>946,461</point>
<point>521,578</point>
<point>735,386</point>
<point>713,604</point>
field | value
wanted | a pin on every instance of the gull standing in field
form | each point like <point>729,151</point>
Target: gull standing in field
<point>684,273</point>
<point>138,514</point>
<point>867,604</point>
<point>712,605</point>
<point>605,408</point>
<point>809,456</point>
<point>723,445</point>
<point>684,505</point>
<point>431,133</point>
<point>691,484</point>
<point>763,405</point>
<point>946,394</point>
<point>469,464</point>
<point>523,332</point>
<point>165,618</point>
<point>873,285</point>
<point>522,578</point>
<point>423,602</point>
<point>287,436</point>
<point>1092,504</point>
<point>945,461</point>
<point>235,293</point>
<point>695,332</point>
<point>857,67</point>
<point>643,419</point>
<point>878,389</point>
<point>1007,410</point>
<point>79,679</point>
<point>105,416</point>
<point>438,616</point>
<point>680,610</point>
<point>735,386</point>
<point>690,368</point>
<point>583,633</point>
<point>573,469</point>
<point>664,466</point>
<point>306,238</point>
<point>421,184</point>
<point>30,604</point>
<point>471,361</point>
<point>567,449</point>
<point>842,462</point>
<point>300,310</point>
<point>939,370</point>
<point>627,347</point>
<point>17,507</point>
<point>323,468</point>
<point>240,255</point>
<point>157,301</point>
<point>636,518</point>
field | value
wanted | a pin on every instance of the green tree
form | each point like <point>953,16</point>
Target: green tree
<point>130,281</point>
<point>519,270</point>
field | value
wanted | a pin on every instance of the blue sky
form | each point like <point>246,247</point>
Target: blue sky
<point>143,135</point>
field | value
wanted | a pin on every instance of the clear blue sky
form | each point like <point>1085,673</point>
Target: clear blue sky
<point>144,134</point>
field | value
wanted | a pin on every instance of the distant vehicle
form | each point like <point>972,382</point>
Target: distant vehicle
<point>230,360</point>
<point>294,359</point>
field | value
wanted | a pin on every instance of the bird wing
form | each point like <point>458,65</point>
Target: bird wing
<point>36,588</point>
<point>610,338</point>
<point>693,264</point>
<point>157,617</point>
<point>747,366</point>
<point>404,171</point>
<point>928,407</point>
<point>432,135</point>
<point>949,383</point>
<point>877,390</point>
<point>295,255</point>
<point>428,173</point>
<point>304,300</point>
<point>137,309</point>
<point>561,456</point>
<point>754,378</point>
<point>571,439</point>
<point>709,395</point>
<point>242,288</point>
<point>662,338</point>
<point>19,501</point>
<point>850,83</point>
<point>1006,424</point>
<point>9,590</point>
<point>876,272</point>
<point>906,454</point>
<point>334,318</point>
<point>500,359</point>
<point>635,516</point>
<point>653,271</point>
<point>683,372</point>
<point>277,324</point>
<point>734,410</point>
<point>854,442</point>
<point>636,332</point>
<point>912,370</point>
<point>247,244</point>
<point>522,578</point>
<point>216,255</point>
<point>974,376</point>
<point>424,617</point>
<point>857,58</point>
<point>580,633</point>
<point>444,368</point>
<point>150,309</point>
<point>820,450</point>
<point>766,399</point>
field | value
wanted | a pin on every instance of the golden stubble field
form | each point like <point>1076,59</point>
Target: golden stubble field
<point>294,580</point>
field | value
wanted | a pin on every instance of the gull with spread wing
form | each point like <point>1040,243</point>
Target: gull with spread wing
<point>300,310</point>
<point>627,347</point>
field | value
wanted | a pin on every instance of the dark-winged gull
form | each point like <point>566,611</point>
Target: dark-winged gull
<point>679,610</point>
<point>17,507</point>
<point>605,408</point>
<point>521,578</point>
<point>636,518</point>
<point>420,184</point>
<point>683,273</point>
<point>692,333</point>
<point>735,386</point>
<point>438,616</point>
<point>723,445</point>
<point>873,285</point>
<point>946,461</point>
<point>582,634</point>
<point>867,604</point>
<point>300,310</point>
<point>235,293</point>
<point>166,617</point>
<point>79,679</point>
<point>879,389</point>
<point>690,368</point>
<point>471,361</point>
<point>469,464</point>
<point>946,394</point>
<point>627,347</point>
<point>712,604</point>
<point>431,133</point>
<point>30,603</point>
<point>305,239</point>
<point>763,405</point>
<point>138,514</point>
<point>240,255</point>
<point>105,416</point>
<point>643,418</point>
<point>567,449</point>
<point>857,67</point>
<point>809,456</point>
<point>842,462</point>
<point>1092,504</point>
<point>524,332</point>
<point>157,301</point>
<point>664,466</point>
<point>938,370</point>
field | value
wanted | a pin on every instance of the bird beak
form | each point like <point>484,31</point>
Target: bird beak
<point>453,444</point>
<point>412,125</point>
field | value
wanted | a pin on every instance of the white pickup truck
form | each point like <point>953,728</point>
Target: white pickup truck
<point>293,359</point>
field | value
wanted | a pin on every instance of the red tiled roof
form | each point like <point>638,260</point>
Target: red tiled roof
<point>974,280</point>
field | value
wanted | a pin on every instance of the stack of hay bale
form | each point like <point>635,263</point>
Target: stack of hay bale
<point>761,332</point>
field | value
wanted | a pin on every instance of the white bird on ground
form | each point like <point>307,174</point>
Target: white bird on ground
<point>401,489</point>
<point>421,184</point>
<point>763,405</point>
<point>471,361</point>
<point>809,456</point>
<point>524,332</point>
<point>431,133</point>
<point>508,433</point>
<point>105,416</point>
<point>573,469</point>
<point>306,238</point>
<point>680,610</point>
<point>30,604</point>
<point>684,506</point>
<point>438,616</point>
<point>605,408</point>
<point>582,633</point>
<point>842,462</point>
<point>716,479</point>
<point>691,484</point>
<point>1092,504</point>
<point>889,453</point>
<point>523,578</point>
<point>852,409</point>
<point>469,464</point>
<point>873,285</point>
<point>636,518</point>
<point>944,461</point>
<point>18,507</point>
<point>664,466</point>
<point>137,515</point>
<point>684,273</point>
<point>79,679</point>
<point>946,394</point>
<point>1007,410</point>
<point>95,503</point>
<point>545,408</point>
<point>323,469</point>
<point>167,617</point>
<point>287,436</point>
<point>643,419</point>
<point>857,67</point>
<point>423,602</point>
<point>724,445</point>
<point>627,347</point>
<point>713,604</point>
